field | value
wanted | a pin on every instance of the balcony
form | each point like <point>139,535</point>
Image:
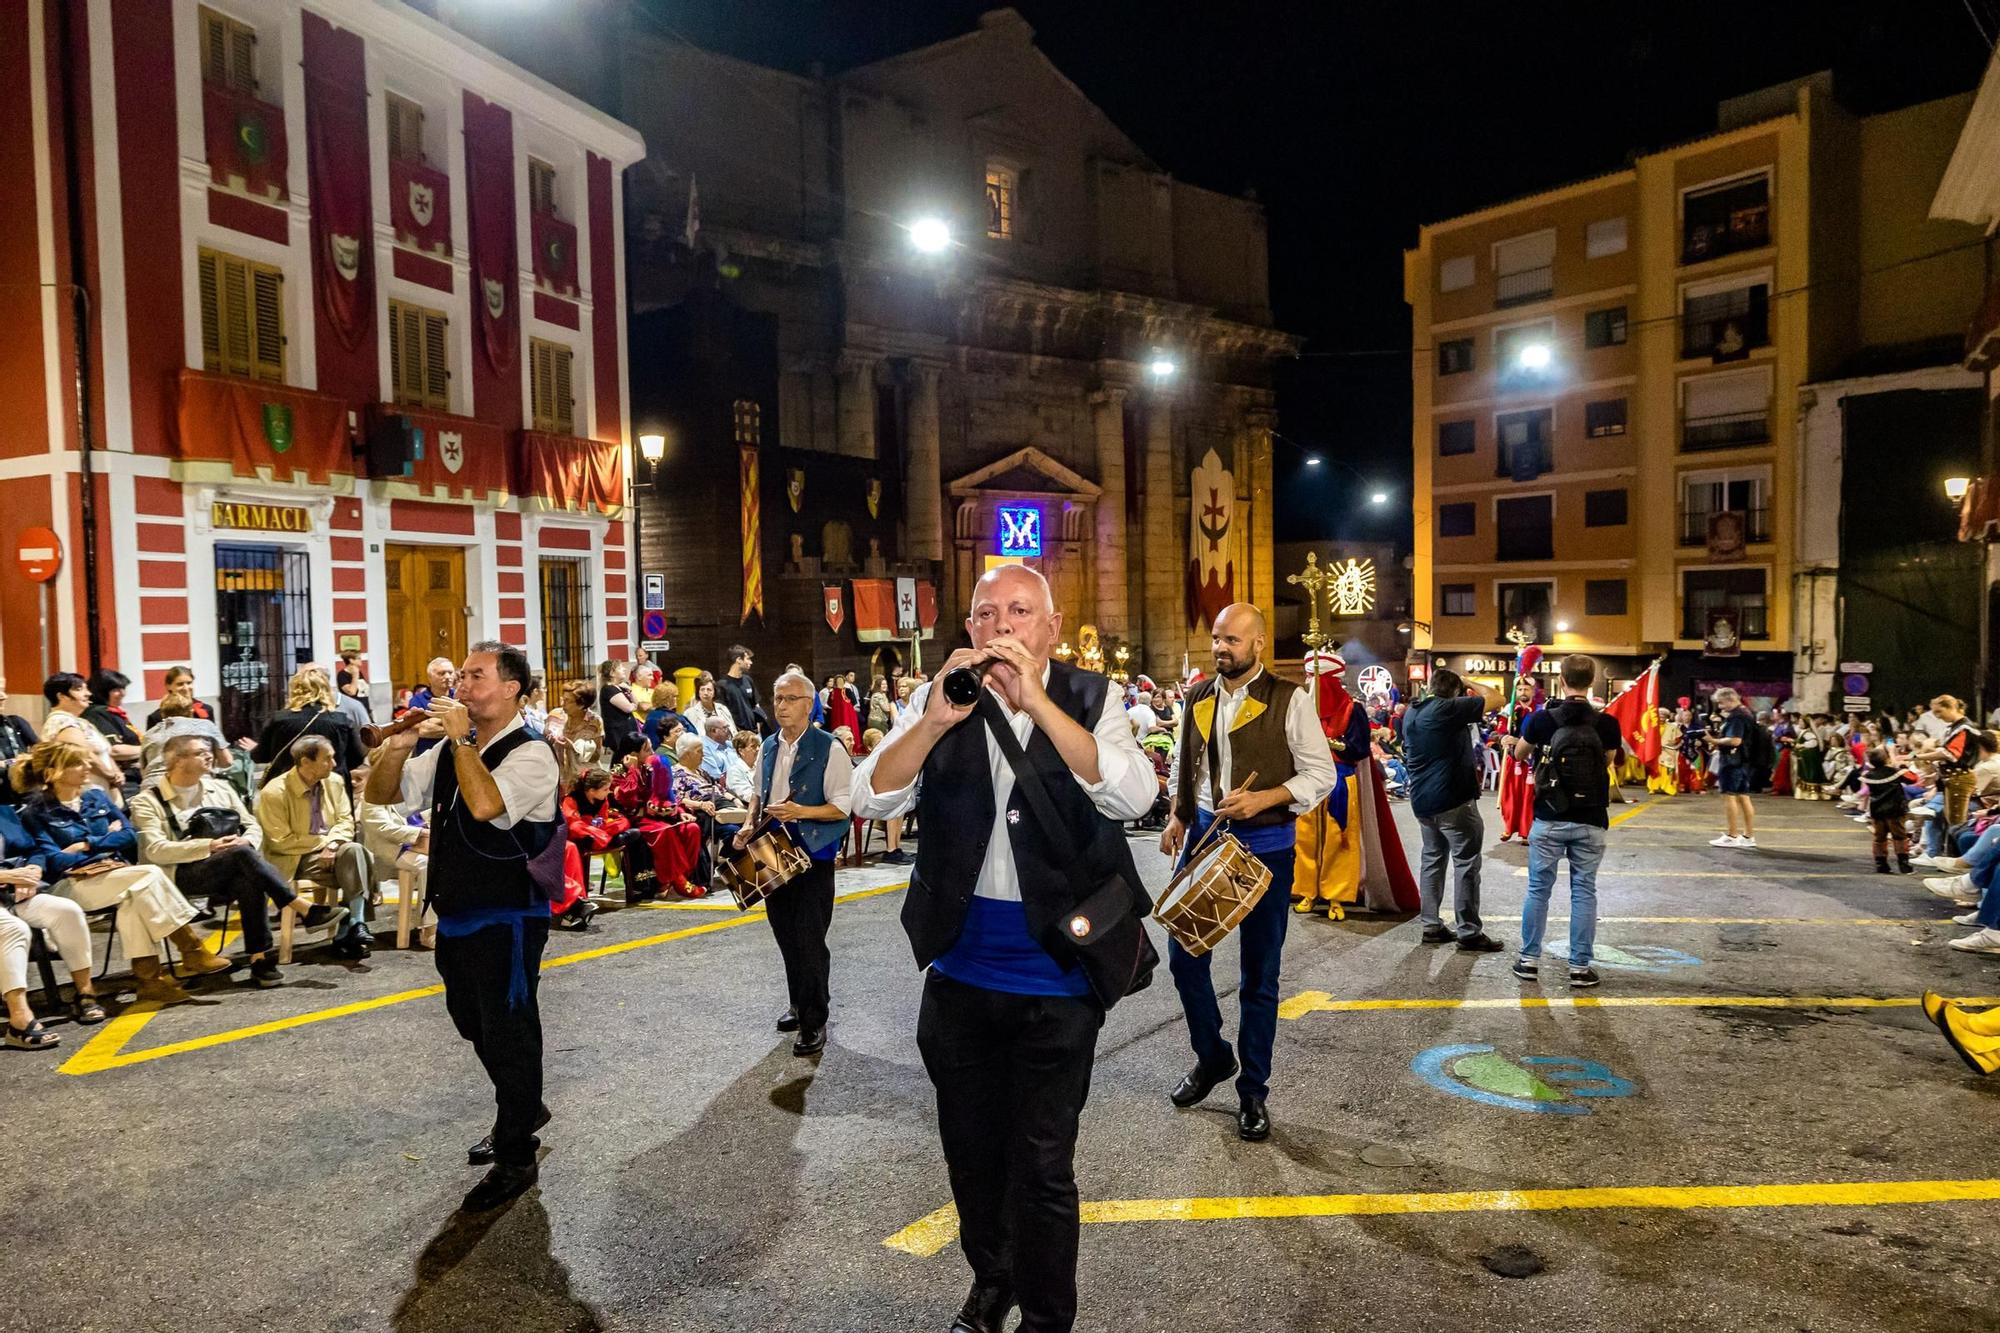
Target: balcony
<point>1726,330</point>
<point>1528,285</point>
<point>555,252</point>
<point>1694,525</point>
<point>564,474</point>
<point>1750,623</point>
<point>1738,229</point>
<point>245,138</point>
<point>1730,430</point>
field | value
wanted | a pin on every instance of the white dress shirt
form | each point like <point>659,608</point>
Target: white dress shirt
<point>1125,789</point>
<point>1312,761</point>
<point>528,779</point>
<point>837,786</point>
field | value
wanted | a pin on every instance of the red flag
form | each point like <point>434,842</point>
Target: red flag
<point>836,614</point>
<point>337,166</point>
<point>489,195</point>
<point>1637,710</point>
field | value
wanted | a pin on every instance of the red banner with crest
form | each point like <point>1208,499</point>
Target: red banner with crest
<point>245,139</point>
<point>337,166</point>
<point>489,200</point>
<point>420,206</point>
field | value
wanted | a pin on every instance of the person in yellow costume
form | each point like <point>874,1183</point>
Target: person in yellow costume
<point>1664,780</point>
<point>1975,1036</point>
<point>1348,850</point>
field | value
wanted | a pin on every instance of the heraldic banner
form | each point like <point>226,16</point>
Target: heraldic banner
<point>489,200</point>
<point>753,535</point>
<point>337,165</point>
<point>1211,577</point>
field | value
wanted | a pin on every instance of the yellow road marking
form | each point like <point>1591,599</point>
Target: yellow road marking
<point>931,1234</point>
<point>107,1050</point>
<point>1319,1002</point>
<point>1637,810</point>
<point>1776,872</point>
<point>1769,920</point>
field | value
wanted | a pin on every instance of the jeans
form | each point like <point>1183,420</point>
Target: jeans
<point>1934,826</point>
<point>1985,858</point>
<point>1261,938</point>
<point>1548,842</point>
<point>1452,835</point>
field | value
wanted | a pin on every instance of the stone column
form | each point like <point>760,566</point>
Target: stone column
<point>857,406</point>
<point>923,498</point>
<point>1254,463</point>
<point>1113,607</point>
<point>1163,584</point>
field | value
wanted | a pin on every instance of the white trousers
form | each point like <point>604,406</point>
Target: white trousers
<point>150,908</point>
<point>67,928</point>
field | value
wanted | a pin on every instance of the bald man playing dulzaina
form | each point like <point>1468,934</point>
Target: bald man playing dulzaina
<point>1243,721</point>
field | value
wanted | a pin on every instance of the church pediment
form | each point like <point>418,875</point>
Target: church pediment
<point>1026,471</point>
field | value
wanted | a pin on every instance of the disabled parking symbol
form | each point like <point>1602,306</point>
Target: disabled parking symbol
<point>1540,1084</point>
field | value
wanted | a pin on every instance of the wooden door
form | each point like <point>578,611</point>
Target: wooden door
<point>427,611</point>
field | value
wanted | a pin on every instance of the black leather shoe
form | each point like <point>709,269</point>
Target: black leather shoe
<point>811,1041</point>
<point>1480,943</point>
<point>1253,1123</point>
<point>985,1310</point>
<point>1197,1083</point>
<point>480,1153</point>
<point>500,1184</point>
<point>788,1021</point>
<point>1438,935</point>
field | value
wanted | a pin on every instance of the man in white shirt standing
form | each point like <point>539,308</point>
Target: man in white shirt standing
<point>1028,932</point>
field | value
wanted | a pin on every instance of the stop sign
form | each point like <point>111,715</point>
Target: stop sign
<point>38,551</point>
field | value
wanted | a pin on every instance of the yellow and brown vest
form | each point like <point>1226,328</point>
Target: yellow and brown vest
<point>1257,743</point>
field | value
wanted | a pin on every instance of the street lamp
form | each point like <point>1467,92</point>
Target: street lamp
<point>1162,366</point>
<point>1379,498</point>
<point>653,447</point>
<point>1312,460</point>
<point>930,235</point>
<point>1562,627</point>
<point>1956,487</point>
<point>1535,356</point>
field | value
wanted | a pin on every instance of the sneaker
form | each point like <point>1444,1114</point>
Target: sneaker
<point>1726,840</point>
<point>1980,941</point>
<point>1747,841</point>
<point>1924,859</point>
<point>1966,918</point>
<point>1952,865</point>
<point>1526,970</point>
<point>1950,886</point>
<point>265,973</point>
<point>1582,976</point>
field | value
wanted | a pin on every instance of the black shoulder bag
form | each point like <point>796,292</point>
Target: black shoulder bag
<point>1105,929</point>
<point>208,821</point>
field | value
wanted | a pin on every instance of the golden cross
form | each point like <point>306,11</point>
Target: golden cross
<point>1312,579</point>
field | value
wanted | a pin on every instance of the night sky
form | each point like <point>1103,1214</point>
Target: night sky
<point>1354,123</point>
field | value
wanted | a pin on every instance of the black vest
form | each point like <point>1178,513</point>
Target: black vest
<point>476,867</point>
<point>955,804</point>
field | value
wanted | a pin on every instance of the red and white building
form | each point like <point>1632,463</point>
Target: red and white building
<point>266,246</point>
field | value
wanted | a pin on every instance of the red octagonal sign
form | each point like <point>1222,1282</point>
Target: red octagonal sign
<point>39,553</point>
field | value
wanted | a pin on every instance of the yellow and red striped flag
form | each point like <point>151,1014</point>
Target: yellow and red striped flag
<point>753,558</point>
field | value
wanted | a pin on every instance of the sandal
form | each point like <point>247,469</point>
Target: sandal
<point>86,1010</point>
<point>31,1038</point>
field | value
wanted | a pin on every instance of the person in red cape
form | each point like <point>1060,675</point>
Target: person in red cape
<point>643,789</point>
<point>1517,780</point>
<point>1348,849</point>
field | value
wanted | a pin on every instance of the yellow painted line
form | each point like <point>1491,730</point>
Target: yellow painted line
<point>930,1235</point>
<point>107,1050</point>
<point>1319,1002</point>
<point>1637,810</point>
<point>700,905</point>
<point>1775,872</point>
<point>1770,920</point>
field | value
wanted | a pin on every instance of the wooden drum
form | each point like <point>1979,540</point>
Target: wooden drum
<point>770,861</point>
<point>1210,895</point>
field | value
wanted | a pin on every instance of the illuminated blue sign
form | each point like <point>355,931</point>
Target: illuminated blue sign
<point>1020,530</point>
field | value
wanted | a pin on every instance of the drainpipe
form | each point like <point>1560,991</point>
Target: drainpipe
<point>80,317</point>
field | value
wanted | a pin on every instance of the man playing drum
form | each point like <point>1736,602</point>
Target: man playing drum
<point>1243,722</point>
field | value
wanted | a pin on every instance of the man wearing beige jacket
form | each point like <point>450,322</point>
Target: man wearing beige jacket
<point>309,834</point>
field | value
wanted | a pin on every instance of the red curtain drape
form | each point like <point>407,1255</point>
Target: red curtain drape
<point>337,167</point>
<point>489,194</point>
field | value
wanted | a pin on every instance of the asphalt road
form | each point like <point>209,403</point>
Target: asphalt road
<point>294,1157</point>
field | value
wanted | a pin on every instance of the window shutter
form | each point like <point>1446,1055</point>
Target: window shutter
<point>396,352</point>
<point>242,58</point>
<point>565,416</point>
<point>234,306</point>
<point>267,289</point>
<point>539,385</point>
<point>398,144</point>
<point>437,380</point>
<point>214,48</point>
<point>211,312</point>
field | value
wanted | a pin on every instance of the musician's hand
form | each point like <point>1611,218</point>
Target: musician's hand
<point>1242,804</point>
<point>1172,835</point>
<point>457,721</point>
<point>785,811</point>
<point>742,838</point>
<point>939,711</point>
<point>1016,672</point>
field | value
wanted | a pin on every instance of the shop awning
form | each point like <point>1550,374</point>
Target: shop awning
<point>236,428</point>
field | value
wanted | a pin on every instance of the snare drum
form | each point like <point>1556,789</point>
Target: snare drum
<point>770,861</point>
<point>1210,895</point>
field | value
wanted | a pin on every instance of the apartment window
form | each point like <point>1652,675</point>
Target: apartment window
<point>1725,325</point>
<point>1726,411</point>
<point>1457,273</point>
<point>1737,591</point>
<point>1605,417</point>
<point>1744,492</point>
<point>549,367</point>
<point>1604,597</point>
<point>1604,509</point>
<point>1455,356</point>
<point>1456,437</point>
<point>1723,219</point>
<point>242,317</point>
<point>1457,599</point>
<point>1524,353</point>
<point>1457,519</point>
<point>406,129</point>
<point>1002,201</point>
<point>1524,527</point>
<point>749,422</point>
<point>418,370</point>
<point>228,52</point>
<point>542,187</point>
<point>1524,269</point>
<point>1525,606</point>
<point>1604,328</point>
<point>1604,237</point>
<point>1523,439</point>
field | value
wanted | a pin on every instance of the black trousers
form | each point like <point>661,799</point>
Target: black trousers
<point>477,970</point>
<point>246,879</point>
<point>1012,1073</point>
<point>800,914</point>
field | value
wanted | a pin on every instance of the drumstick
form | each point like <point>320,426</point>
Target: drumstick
<point>1216,824</point>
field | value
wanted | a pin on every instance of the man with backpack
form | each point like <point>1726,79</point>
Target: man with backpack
<point>1444,795</point>
<point>1571,746</point>
<point>1738,740</point>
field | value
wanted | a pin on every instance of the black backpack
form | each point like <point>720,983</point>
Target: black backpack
<point>1758,750</point>
<point>1574,769</point>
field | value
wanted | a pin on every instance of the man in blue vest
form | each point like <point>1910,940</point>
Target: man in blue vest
<point>804,781</point>
<point>496,858</point>
<point>1022,964</point>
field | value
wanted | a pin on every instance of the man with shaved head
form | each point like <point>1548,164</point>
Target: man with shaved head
<point>1243,726</point>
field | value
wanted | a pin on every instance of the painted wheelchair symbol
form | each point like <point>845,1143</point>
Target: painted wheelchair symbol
<point>1540,1084</point>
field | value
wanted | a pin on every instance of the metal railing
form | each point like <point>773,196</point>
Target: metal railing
<point>1746,228</point>
<point>1727,430</point>
<point>1530,284</point>
<point>1694,525</point>
<point>1737,328</point>
<point>1750,622</point>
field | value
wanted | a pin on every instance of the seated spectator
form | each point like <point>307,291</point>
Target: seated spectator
<point>440,679</point>
<point>180,685</point>
<point>845,735</point>
<point>309,711</point>
<point>309,835</point>
<point>715,748</point>
<point>737,776</point>
<point>17,737</point>
<point>702,796</point>
<point>706,708</point>
<point>905,687</point>
<point>171,818</point>
<point>68,930</point>
<point>576,732</point>
<point>174,717</point>
<point>68,696</point>
<point>89,853</point>
<point>597,827</point>
<point>397,837</point>
<point>895,856</point>
<point>107,713</point>
<point>643,788</point>
<point>535,707</point>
